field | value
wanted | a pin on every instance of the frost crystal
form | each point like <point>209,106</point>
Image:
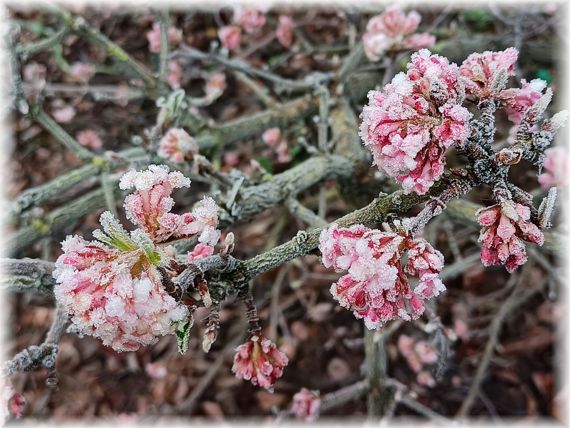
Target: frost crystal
<point>176,145</point>
<point>306,405</point>
<point>482,71</point>
<point>376,287</point>
<point>394,30</point>
<point>505,226</point>
<point>259,361</point>
<point>411,123</point>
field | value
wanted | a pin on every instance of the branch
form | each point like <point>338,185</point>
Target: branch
<point>26,274</point>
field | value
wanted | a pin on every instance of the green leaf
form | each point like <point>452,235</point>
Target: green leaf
<point>545,75</point>
<point>183,334</point>
<point>265,164</point>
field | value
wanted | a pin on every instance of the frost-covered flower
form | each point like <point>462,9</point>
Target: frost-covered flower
<point>112,286</point>
<point>376,287</point>
<point>153,37</point>
<point>556,168</point>
<point>394,30</point>
<point>517,101</point>
<point>284,31</point>
<point>486,73</point>
<point>230,36</point>
<point>176,144</point>
<point>115,293</point>
<point>411,123</point>
<point>81,72</point>
<point>259,361</point>
<point>63,114</point>
<point>250,19</point>
<point>200,251</point>
<point>149,207</point>
<point>505,226</point>
<point>306,405</point>
<point>90,139</point>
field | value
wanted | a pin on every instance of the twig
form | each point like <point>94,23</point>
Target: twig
<point>518,296</point>
<point>261,92</point>
<point>303,213</point>
<point>164,21</point>
<point>26,274</point>
<point>376,362</point>
<point>25,50</point>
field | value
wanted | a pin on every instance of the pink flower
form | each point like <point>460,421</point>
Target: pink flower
<point>271,137</point>
<point>505,226</point>
<point>175,74</point>
<point>376,287</point>
<point>34,72</point>
<point>259,361</point>
<point>284,31</point>
<point>200,251</point>
<point>249,19</point>
<point>115,294</point>
<point>90,139</point>
<point>411,123</point>
<point>557,168</point>
<point>215,85</point>
<point>518,100</point>
<point>176,145</point>
<point>393,30</point>
<point>306,405</point>
<point>153,37</point>
<point>483,71</point>
<point>81,72</point>
<point>149,207</point>
<point>418,354</point>
<point>230,36</point>
<point>283,152</point>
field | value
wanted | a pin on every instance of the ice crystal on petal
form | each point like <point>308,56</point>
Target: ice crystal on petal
<point>376,287</point>
<point>505,227</point>
<point>556,168</point>
<point>176,145</point>
<point>394,30</point>
<point>411,123</point>
<point>480,71</point>
<point>259,361</point>
<point>306,405</point>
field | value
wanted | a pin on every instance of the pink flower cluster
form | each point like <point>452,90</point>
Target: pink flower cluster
<point>556,168</point>
<point>376,287</point>
<point>484,71</point>
<point>259,361</point>
<point>418,355</point>
<point>273,138</point>
<point>112,287</point>
<point>176,145</point>
<point>410,124</point>
<point>505,226</point>
<point>149,207</point>
<point>306,405</point>
<point>394,30</point>
<point>153,37</point>
<point>247,19</point>
<point>485,75</point>
<point>81,72</point>
<point>175,74</point>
